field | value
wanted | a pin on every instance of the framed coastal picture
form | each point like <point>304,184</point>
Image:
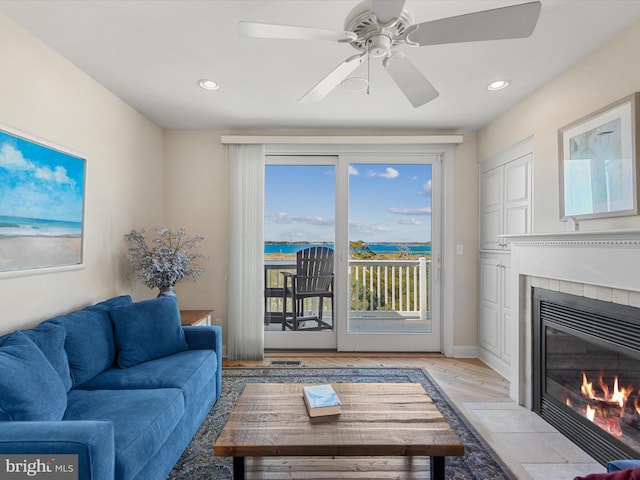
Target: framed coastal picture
<point>42,190</point>
<point>599,162</point>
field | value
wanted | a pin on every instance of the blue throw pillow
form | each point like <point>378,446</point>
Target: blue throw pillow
<point>90,343</point>
<point>147,330</point>
<point>49,338</point>
<point>107,305</point>
<point>30,389</point>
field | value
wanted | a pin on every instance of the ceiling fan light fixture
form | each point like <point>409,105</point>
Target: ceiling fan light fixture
<point>208,84</point>
<point>498,85</point>
<point>379,45</point>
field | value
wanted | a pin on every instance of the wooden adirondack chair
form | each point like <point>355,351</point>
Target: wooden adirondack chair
<point>313,279</point>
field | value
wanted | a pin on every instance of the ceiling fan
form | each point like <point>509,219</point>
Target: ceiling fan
<point>376,27</point>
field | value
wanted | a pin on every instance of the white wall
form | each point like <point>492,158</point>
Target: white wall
<point>610,73</point>
<point>43,95</point>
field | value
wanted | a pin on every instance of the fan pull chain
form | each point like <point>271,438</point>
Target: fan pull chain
<point>368,73</point>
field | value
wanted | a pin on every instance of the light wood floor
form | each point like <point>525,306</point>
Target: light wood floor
<point>462,379</point>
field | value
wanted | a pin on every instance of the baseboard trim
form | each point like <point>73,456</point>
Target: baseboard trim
<point>493,362</point>
<point>465,351</point>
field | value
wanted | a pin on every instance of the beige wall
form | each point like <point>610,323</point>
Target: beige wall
<point>43,95</point>
<point>611,73</point>
<point>465,233</point>
<point>196,198</point>
<point>138,175</point>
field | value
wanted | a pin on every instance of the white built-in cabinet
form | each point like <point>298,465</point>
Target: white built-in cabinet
<point>504,208</point>
<point>505,202</point>
<point>495,311</point>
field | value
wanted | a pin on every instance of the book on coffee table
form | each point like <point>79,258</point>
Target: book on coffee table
<point>321,400</point>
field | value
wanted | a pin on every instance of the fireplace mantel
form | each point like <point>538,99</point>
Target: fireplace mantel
<point>609,238</point>
<point>605,261</point>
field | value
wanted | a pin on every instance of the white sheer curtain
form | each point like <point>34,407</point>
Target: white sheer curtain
<point>246,253</point>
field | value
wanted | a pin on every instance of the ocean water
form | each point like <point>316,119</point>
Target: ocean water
<point>37,227</point>
<point>380,248</point>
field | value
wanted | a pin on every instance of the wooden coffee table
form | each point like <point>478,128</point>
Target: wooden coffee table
<point>377,419</point>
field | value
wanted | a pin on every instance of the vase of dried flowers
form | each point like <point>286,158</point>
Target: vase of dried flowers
<point>171,257</point>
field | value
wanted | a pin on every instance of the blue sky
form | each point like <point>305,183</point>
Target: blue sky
<point>39,182</point>
<point>387,203</point>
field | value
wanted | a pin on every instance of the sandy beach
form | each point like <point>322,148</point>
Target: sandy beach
<point>20,253</point>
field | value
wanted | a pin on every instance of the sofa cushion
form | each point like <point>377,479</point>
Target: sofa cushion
<point>147,330</point>
<point>142,421</point>
<point>107,305</point>
<point>30,389</point>
<point>90,344</point>
<point>189,371</point>
<point>49,338</point>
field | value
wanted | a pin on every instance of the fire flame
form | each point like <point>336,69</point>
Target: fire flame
<point>619,396</point>
<point>599,407</point>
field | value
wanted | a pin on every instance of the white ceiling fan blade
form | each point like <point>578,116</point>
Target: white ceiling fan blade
<point>516,21</point>
<point>387,10</point>
<point>291,32</point>
<point>411,81</point>
<point>332,80</point>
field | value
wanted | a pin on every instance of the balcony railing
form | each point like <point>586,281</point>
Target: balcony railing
<point>378,289</point>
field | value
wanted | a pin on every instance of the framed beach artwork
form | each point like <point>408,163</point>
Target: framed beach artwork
<point>42,189</point>
<point>599,162</point>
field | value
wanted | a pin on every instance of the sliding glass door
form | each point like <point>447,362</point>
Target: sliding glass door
<point>394,253</point>
<point>300,209</point>
<point>378,218</point>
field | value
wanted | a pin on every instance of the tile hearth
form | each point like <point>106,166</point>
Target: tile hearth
<point>528,445</point>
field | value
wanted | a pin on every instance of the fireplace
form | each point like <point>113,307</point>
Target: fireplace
<point>586,371</point>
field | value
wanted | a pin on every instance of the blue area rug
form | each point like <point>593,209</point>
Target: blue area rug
<point>197,461</point>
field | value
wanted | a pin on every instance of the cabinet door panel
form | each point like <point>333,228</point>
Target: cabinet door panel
<point>506,336</point>
<point>490,282</point>
<point>491,208</point>
<point>517,219</point>
<point>517,180</point>
<point>490,328</point>
<point>491,228</point>
<point>492,193</point>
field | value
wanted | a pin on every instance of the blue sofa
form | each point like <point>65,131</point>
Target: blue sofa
<point>120,384</point>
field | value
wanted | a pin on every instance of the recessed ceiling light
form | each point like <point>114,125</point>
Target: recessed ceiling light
<point>208,84</point>
<point>498,85</point>
<point>355,84</point>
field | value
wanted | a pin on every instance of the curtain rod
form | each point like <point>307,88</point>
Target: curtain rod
<point>342,139</point>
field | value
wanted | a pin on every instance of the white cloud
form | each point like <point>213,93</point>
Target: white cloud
<point>289,218</point>
<point>58,175</point>
<point>411,211</point>
<point>353,170</point>
<point>408,221</point>
<point>12,159</point>
<point>389,173</point>
<point>359,228</point>
<point>426,188</point>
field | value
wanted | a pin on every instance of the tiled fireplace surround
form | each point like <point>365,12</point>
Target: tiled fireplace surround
<point>601,265</point>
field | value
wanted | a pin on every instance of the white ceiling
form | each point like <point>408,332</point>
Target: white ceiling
<point>151,53</point>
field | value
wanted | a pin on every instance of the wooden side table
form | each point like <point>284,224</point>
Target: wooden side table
<point>195,317</point>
